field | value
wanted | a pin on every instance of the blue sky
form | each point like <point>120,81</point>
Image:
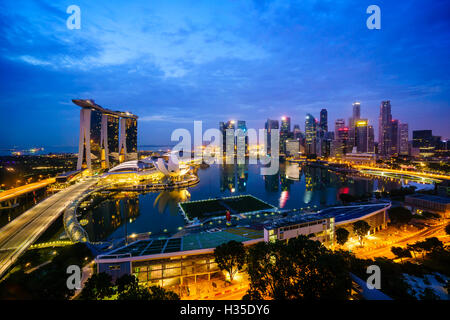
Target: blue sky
<point>172,62</point>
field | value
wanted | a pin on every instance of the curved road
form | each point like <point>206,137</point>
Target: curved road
<point>20,233</point>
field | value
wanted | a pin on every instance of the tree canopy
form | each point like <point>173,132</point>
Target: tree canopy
<point>299,269</point>
<point>361,228</point>
<point>230,257</point>
<point>341,236</point>
<point>399,215</point>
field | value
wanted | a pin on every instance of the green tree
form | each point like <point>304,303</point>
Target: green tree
<point>299,269</point>
<point>447,229</point>
<point>98,287</point>
<point>361,228</point>
<point>126,282</point>
<point>399,215</point>
<point>136,292</point>
<point>230,257</point>
<point>401,253</point>
<point>341,236</point>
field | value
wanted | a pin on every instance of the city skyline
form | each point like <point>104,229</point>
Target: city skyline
<point>186,63</point>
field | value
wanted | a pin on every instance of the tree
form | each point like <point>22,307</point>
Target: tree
<point>230,257</point>
<point>98,287</point>
<point>432,244</point>
<point>126,282</point>
<point>341,236</point>
<point>299,269</point>
<point>415,248</point>
<point>136,292</point>
<point>361,228</point>
<point>401,253</point>
<point>399,215</point>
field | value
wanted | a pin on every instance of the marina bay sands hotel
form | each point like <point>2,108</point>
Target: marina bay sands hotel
<point>106,137</point>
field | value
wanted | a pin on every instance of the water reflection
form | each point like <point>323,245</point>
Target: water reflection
<point>291,187</point>
<point>168,200</point>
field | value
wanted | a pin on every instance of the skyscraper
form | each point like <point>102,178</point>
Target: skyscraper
<point>385,131</point>
<point>324,120</point>
<point>356,111</point>
<point>297,132</point>
<point>339,123</point>
<point>285,132</point>
<point>99,140</point>
<point>403,139</point>
<point>310,135</point>
<point>394,138</point>
<point>270,126</point>
<point>361,135</point>
<point>371,140</point>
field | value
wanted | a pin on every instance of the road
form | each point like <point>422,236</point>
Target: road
<point>20,233</point>
<point>385,251</point>
<point>13,193</point>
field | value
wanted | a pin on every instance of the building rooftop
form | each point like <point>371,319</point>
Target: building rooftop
<point>196,241</point>
<point>298,219</point>
<point>348,213</point>
<point>429,197</point>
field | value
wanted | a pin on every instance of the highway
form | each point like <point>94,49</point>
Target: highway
<point>405,172</point>
<point>16,192</point>
<point>20,233</point>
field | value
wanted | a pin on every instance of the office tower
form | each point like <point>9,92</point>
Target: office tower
<point>361,135</point>
<point>285,132</point>
<point>403,139</point>
<point>371,140</point>
<point>310,135</point>
<point>385,131</point>
<point>285,125</point>
<point>297,132</point>
<point>356,111</point>
<point>270,126</point>
<point>228,138</point>
<point>425,142</point>
<point>339,123</point>
<point>241,141</point>
<point>324,121</point>
<point>340,143</point>
<point>292,147</point>
<point>394,138</point>
<point>99,141</point>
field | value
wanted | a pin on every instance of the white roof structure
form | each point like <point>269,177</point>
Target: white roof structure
<point>133,165</point>
<point>167,168</point>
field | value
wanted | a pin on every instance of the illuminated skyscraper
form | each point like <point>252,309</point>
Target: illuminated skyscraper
<point>356,111</point>
<point>324,121</point>
<point>339,123</point>
<point>394,138</point>
<point>385,131</point>
<point>361,135</point>
<point>310,135</point>
<point>99,141</point>
<point>270,126</point>
<point>403,139</point>
<point>371,140</point>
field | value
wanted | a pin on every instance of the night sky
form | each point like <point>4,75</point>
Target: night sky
<point>172,62</point>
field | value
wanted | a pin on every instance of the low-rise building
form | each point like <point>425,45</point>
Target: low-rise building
<point>425,202</point>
